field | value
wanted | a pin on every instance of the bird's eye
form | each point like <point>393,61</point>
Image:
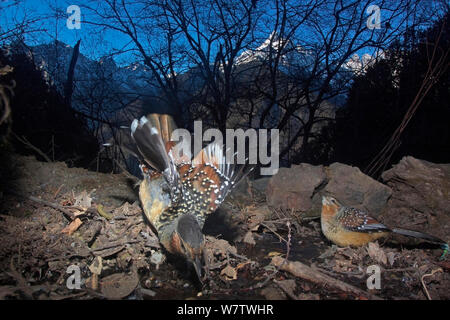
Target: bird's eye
<point>333,201</point>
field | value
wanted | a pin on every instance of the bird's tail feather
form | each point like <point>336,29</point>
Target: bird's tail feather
<point>165,125</point>
<point>150,144</point>
<point>419,235</point>
<point>233,172</point>
<point>149,140</point>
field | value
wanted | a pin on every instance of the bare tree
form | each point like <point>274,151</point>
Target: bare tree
<point>16,26</point>
<point>326,34</point>
<point>175,37</point>
<point>197,53</point>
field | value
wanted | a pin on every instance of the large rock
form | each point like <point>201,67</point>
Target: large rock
<point>353,188</point>
<point>293,188</point>
<point>301,188</point>
<point>421,196</point>
<point>260,185</point>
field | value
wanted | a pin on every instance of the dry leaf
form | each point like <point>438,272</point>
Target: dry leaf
<point>219,247</point>
<point>128,209</point>
<point>83,200</point>
<point>391,256</point>
<point>96,266</point>
<point>248,238</point>
<point>229,273</point>
<point>308,296</point>
<point>274,254</point>
<point>243,264</point>
<point>119,285</point>
<point>257,216</point>
<point>376,253</point>
<point>101,211</point>
<point>72,227</point>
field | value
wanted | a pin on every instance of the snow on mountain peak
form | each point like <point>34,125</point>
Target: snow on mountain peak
<point>272,44</point>
<point>360,65</point>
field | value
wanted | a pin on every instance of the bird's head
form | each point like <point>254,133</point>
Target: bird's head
<point>189,241</point>
<point>330,205</point>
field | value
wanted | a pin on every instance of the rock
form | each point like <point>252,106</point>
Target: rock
<point>353,188</point>
<point>273,293</point>
<point>301,188</point>
<point>421,196</point>
<point>260,185</point>
<point>241,193</point>
<point>293,188</point>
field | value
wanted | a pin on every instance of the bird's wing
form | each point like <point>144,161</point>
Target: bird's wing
<point>358,220</point>
<point>208,179</point>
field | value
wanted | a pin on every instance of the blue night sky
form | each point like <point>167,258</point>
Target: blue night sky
<point>52,26</point>
<point>93,44</point>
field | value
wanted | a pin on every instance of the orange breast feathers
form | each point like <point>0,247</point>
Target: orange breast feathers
<point>344,238</point>
<point>155,200</point>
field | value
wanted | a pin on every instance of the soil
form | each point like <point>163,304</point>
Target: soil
<point>106,238</point>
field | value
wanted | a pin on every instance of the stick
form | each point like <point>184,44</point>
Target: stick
<point>66,212</point>
<point>126,173</point>
<point>301,270</point>
<point>29,145</point>
<point>423,283</point>
<point>116,244</point>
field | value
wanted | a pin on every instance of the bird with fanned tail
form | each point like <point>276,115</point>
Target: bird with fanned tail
<point>178,192</point>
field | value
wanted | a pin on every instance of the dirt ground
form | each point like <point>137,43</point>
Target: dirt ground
<point>56,221</point>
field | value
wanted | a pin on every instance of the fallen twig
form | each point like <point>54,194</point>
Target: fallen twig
<point>57,191</point>
<point>274,232</point>
<point>31,146</point>
<point>116,244</point>
<point>423,283</point>
<point>281,285</point>
<point>274,273</point>
<point>21,282</point>
<point>285,260</point>
<point>68,214</point>
<point>303,271</point>
<point>238,255</point>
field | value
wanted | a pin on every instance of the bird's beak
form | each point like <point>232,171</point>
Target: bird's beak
<point>198,267</point>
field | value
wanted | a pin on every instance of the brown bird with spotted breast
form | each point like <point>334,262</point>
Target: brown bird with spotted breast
<point>346,226</point>
<point>178,192</point>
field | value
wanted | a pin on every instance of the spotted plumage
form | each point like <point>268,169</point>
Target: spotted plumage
<point>177,192</point>
<point>354,219</point>
<point>347,226</point>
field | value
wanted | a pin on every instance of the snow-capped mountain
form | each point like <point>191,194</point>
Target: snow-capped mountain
<point>295,57</point>
<point>359,65</point>
<point>292,56</point>
<point>271,45</point>
<point>112,87</point>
